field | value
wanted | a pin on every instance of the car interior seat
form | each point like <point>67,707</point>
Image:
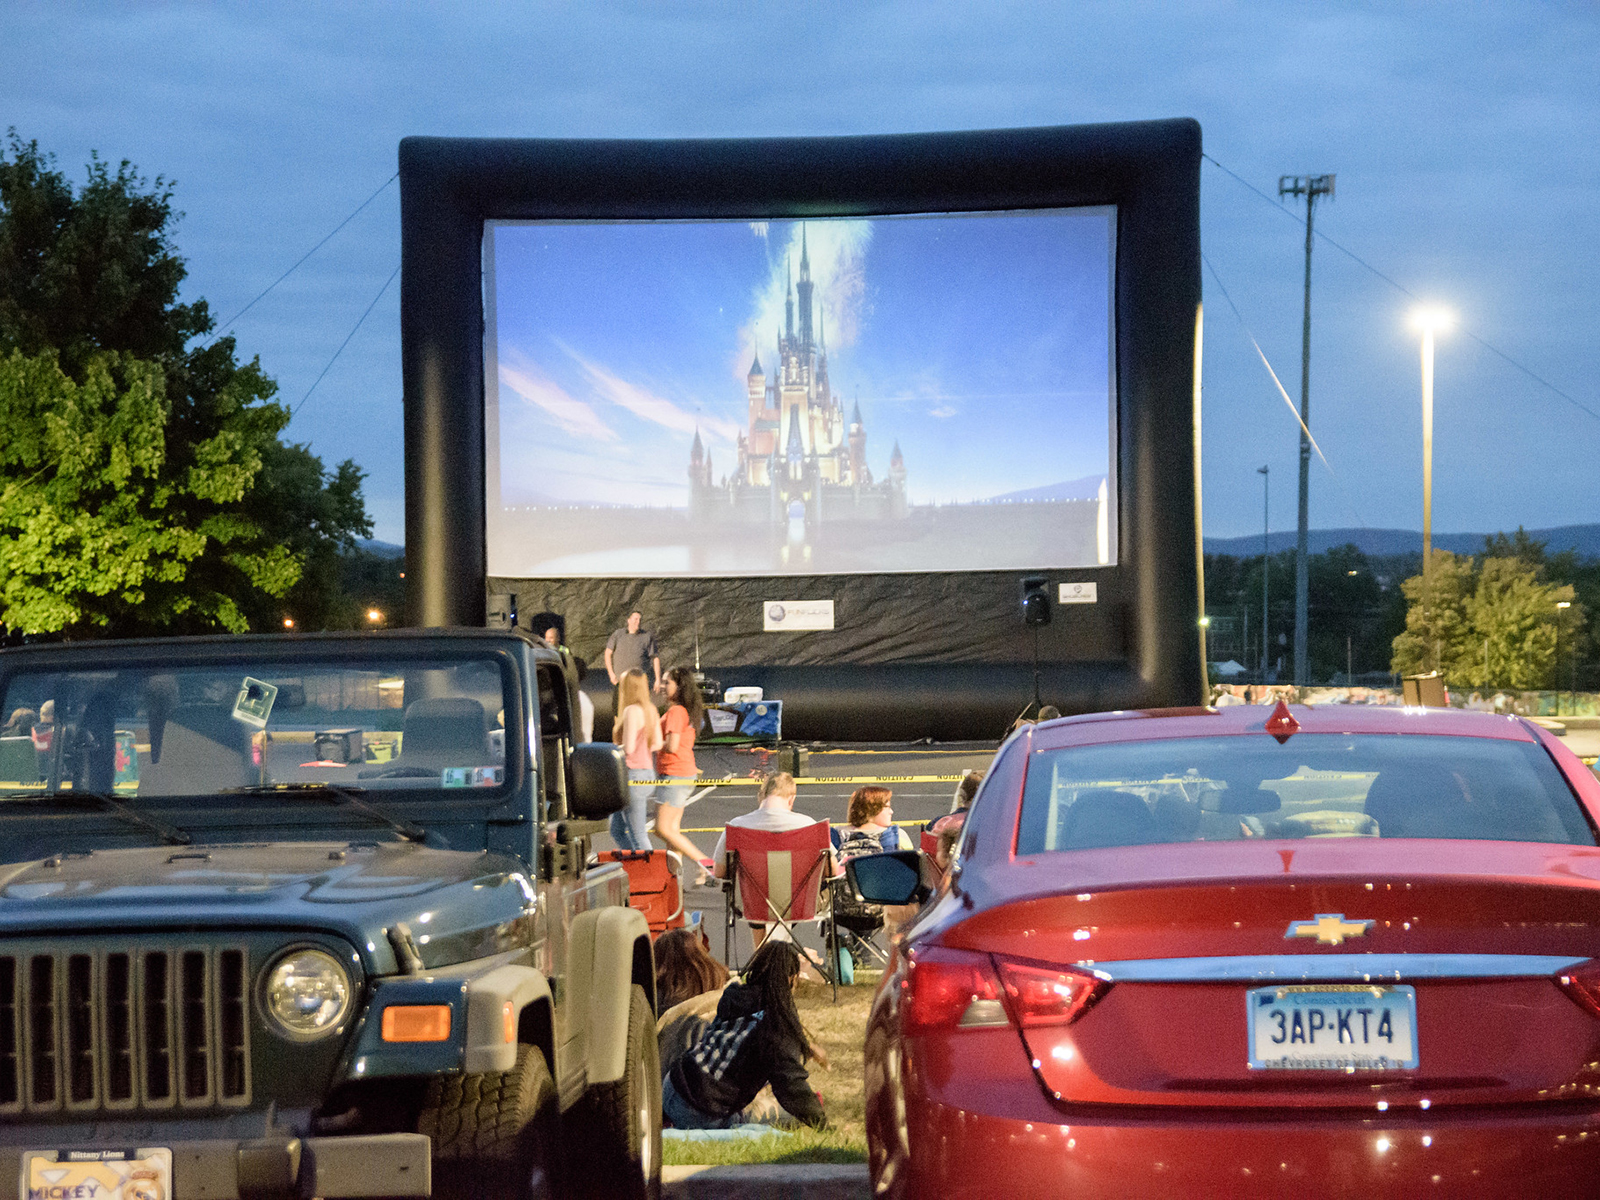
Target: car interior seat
<point>449,731</point>
<point>1423,800</point>
<point>1101,817</point>
<point>202,749</point>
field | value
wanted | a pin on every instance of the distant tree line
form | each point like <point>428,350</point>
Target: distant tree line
<point>1513,617</point>
<point>145,487</point>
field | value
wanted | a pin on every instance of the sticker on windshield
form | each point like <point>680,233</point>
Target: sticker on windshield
<point>254,703</point>
<point>460,777</point>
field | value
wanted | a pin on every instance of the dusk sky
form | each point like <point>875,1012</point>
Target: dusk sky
<point>1466,141</point>
<point>980,344</point>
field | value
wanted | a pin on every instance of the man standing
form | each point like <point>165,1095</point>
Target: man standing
<point>633,648</point>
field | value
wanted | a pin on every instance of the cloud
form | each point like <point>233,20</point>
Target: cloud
<point>574,416</point>
<point>648,406</point>
<point>943,411</point>
<point>836,251</point>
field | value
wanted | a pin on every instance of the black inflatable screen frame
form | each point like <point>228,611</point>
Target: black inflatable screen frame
<point>1139,646</point>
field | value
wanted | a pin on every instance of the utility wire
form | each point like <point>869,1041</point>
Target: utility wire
<point>1360,520</point>
<point>1304,428</point>
<point>1405,291</point>
<point>346,341</point>
<point>262,295</point>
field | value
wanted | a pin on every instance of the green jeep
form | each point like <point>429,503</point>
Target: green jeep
<point>310,916</point>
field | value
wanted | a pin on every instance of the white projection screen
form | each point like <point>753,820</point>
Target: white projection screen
<point>920,393</point>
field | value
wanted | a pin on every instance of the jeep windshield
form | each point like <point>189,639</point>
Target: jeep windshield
<point>353,725</point>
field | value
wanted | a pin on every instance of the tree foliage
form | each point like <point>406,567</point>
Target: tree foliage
<point>144,488</point>
<point>1486,623</point>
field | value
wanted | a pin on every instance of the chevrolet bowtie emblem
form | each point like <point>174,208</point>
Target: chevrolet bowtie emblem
<point>1330,929</point>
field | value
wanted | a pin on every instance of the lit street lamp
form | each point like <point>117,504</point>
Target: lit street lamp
<point>1428,321</point>
<point>374,616</point>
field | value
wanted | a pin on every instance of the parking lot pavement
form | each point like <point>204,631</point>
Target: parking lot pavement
<point>788,1181</point>
<point>914,802</point>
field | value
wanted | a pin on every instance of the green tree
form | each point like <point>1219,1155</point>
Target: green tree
<point>159,499</point>
<point>1487,624</point>
<point>1437,632</point>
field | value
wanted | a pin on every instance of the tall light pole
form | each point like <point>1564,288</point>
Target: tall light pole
<point>1309,186</point>
<point>1266,526</point>
<point>1428,321</point>
<point>1561,607</point>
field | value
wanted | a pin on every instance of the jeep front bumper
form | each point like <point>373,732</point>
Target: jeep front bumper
<point>384,1164</point>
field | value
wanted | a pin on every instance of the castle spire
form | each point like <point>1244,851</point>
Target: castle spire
<point>803,291</point>
<point>805,259</point>
<point>755,365</point>
<point>788,298</point>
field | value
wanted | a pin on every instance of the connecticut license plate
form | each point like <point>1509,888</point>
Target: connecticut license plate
<point>1333,1027</point>
<point>137,1174</point>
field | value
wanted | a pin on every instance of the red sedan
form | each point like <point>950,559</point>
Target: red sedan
<point>1318,952</point>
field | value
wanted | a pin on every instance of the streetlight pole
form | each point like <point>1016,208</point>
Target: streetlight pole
<point>1428,321</point>
<point>1309,186</point>
<point>1266,526</point>
<point>1561,607</point>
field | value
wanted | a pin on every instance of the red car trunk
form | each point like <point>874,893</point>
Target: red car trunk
<point>1188,930</point>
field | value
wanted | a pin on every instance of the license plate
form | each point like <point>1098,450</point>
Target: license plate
<point>1333,1027</point>
<point>141,1174</point>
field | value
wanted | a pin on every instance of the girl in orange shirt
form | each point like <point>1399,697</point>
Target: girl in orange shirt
<point>685,712</point>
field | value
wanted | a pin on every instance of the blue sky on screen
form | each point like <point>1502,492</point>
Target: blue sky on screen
<point>979,343</point>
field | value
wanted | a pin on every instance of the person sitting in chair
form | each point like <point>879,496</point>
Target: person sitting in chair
<point>774,813</point>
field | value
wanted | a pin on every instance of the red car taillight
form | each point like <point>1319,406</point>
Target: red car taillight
<point>958,989</point>
<point>1582,983</point>
<point>1041,995</point>
<point>946,989</point>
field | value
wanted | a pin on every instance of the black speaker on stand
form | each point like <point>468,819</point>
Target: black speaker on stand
<point>1035,614</point>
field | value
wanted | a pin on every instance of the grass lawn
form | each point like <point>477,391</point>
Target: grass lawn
<point>839,1029</point>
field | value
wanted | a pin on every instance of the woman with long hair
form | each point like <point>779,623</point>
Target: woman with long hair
<point>755,1039</point>
<point>684,968</point>
<point>685,713</point>
<point>637,729</point>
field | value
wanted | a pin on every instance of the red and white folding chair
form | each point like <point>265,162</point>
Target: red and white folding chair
<point>777,878</point>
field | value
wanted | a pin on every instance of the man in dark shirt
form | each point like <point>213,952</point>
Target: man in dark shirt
<point>633,648</point>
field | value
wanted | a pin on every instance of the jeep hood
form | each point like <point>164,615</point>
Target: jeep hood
<point>457,904</point>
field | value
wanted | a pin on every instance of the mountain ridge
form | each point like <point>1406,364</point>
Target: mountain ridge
<point>1585,539</point>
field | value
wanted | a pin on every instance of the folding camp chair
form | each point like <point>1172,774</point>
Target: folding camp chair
<point>776,878</point>
<point>654,886</point>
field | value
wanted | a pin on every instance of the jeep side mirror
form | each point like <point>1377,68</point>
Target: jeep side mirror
<point>599,781</point>
<point>893,878</point>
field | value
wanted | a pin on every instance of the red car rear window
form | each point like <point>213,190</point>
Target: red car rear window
<point>1313,785</point>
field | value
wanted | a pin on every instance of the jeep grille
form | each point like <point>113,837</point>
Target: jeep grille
<point>124,1029</point>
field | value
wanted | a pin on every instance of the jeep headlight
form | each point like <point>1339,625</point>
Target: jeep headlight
<point>307,993</point>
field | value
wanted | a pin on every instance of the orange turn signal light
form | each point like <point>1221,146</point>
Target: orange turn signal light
<point>416,1023</point>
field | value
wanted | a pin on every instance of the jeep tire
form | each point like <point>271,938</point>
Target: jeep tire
<point>616,1127</point>
<point>494,1135</point>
